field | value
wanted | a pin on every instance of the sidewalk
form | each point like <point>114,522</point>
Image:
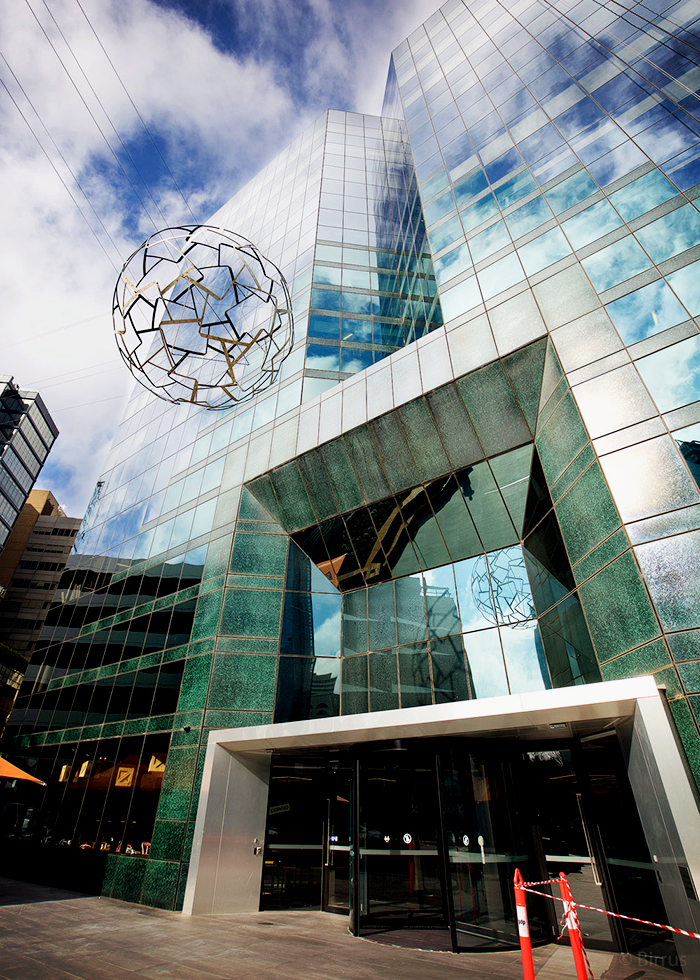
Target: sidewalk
<point>46,934</point>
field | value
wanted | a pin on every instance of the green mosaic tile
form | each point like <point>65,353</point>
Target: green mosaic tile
<point>91,731</point>
<point>198,774</point>
<point>670,567</point>
<point>494,409</point>
<point>292,498</point>
<point>669,679</point>
<point>206,620</point>
<point>318,485</point>
<point>236,719</point>
<point>242,681</point>
<point>561,440</point>
<point>228,644</point>
<point>128,877</point>
<point>201,646</point>
<point>248,613</point>
<point>611,548</point>
<point>160,884</point>
<point>165,602</point>
<point>688,733</point>
<point>216,561</point>
<point>454,426</point>
<point>189,839</point>
<point>366,463</point>
<point>259,554</point>
<point>259,502</point>
<point>194,720</point>
<point>135,726</point>
<point>161,723</point>
<point>354,685</point>
<point>394,453</point>
<point>176,653</point>
<point>548,407</point>
<point>644,660</point>
<point>342,475</point>
<point>181,888</point>
<point>195,682</point>
<point>124,667</point>
<point>52,738</point>
<point>254,581</point>
<point>617,608</point>
<point>112,729</point>
<point>424,441</point>
<point>71,734</point>
<point>383,681</point>
<point>89,675</point>
<point>524,369</point>
<point>573,472</point>
<point>178,780</point>
<point>259,527</point>
<point>689,674</point>
<point>586,514</point>
<point>190,593</point>
<point>214,583</point>
<point>168,838</point>
<point>119,618</point>
<point>109,875</point>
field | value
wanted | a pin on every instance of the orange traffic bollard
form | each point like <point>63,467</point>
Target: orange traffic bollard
<point>523,927</point>
<point>572,925</point>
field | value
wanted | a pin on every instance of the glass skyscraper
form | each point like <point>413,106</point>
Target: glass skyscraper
<point>476,478</point>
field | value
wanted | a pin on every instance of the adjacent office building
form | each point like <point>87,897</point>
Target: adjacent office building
<point>428,608</point>
<point>27,433</point>
<point>31,567</point>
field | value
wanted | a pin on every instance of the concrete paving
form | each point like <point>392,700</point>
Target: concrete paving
<point>47,934</point>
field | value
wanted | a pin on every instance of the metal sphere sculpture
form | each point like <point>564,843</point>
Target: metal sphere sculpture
<point>512,600</point>
<point>201,317</point>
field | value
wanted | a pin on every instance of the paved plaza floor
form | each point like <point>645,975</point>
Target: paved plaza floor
<point>46,934</point>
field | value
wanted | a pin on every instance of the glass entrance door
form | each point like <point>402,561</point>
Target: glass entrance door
<point>400,881</point>
<point>488,837</point>
<point>337,835</point>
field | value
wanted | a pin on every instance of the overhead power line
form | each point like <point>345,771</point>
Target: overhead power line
<point>70,193</point>
<point>92,116</point>
<point>99,401</point>
<point>65,326</point>
<point>143,122</point>
<point>66,375</point>
<point>107,116</point>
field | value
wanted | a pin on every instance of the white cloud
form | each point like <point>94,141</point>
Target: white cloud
<point>217,117</point>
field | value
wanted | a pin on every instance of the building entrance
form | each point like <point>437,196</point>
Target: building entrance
<point>425,835</point>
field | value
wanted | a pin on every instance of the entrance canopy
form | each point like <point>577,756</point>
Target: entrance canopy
<point>226,869</point>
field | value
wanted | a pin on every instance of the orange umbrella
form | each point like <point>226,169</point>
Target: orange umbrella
<point>8,771</point>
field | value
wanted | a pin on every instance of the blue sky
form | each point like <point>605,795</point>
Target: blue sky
<point>221,86</point>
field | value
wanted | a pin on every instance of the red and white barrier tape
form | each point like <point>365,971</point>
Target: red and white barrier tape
<point>547,881</point>
<point>617,915</point>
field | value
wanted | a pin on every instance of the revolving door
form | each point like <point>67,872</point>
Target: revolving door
<point>425,834</point>
<point>440,835</point>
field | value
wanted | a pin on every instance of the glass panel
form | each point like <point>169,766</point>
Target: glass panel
<point>646,311</point>
<point>400,881</point>
<point>486,841</point>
